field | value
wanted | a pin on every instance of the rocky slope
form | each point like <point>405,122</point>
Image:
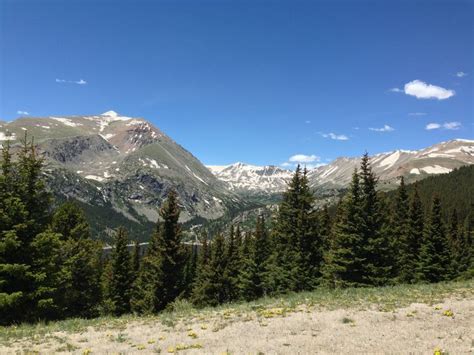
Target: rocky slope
<point>124,164</point>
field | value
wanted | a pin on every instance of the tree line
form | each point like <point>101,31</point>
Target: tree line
<point>51,268</point>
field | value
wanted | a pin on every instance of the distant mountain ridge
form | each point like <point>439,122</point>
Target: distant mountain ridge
<point>414,165</point>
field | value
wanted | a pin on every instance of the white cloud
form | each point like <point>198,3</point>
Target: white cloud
<point>385,128</point>
<point>20,112</point>
<point>303,158</point>
<point>460,74</point>
<point>417,114</point>
<point>431,126</point>
<point>422,90</point>
<point>395,90</point>
<point>78,82</point>
<point>454,125</point>
<point>337,137</point>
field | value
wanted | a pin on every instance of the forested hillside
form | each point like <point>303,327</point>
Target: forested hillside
<point>455,189</point>
<point>50,267</point>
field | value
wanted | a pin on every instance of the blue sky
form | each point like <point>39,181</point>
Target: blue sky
<point>254,81</point>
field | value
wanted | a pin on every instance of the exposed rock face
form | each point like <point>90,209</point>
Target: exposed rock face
<point>123,164</point>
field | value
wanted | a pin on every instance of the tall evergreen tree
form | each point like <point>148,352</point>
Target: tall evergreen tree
<point>409,258</point>
<point>136,256</point>
<point>24,215</point>
<point>324,223</point>
<point>401,241</point>
<point>344,262</point>
<point>290,267</point>
<point>160,282</point>
<point>434,263</point>
<point>376,242</point>
<point>210,288</point>
<point>80,258</point>
<point>201,288</point>
<point>231,274</point>
<point>121,274</point>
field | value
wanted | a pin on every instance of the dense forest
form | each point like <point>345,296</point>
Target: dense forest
<point>51,268</point>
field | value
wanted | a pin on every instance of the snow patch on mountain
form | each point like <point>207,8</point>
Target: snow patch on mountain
<point>436,169</point>
<point>66,121</point>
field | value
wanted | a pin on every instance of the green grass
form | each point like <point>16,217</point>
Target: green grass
<point>383,298</point>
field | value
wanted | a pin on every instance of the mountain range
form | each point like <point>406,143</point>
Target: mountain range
<point>120,169</point>
<point>412,164</point>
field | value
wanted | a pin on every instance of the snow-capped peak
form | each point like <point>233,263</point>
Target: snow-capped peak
<point>110,114</point>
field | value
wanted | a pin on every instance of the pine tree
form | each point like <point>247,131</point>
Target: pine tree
<point>210,288</point>
<point>310,243</point>
<point>376,242</point>
<point>459,245</point>
<point>344,262</point>
<point>136,259</point>
<point>231,274</point>
<point>145,297</point>
<point>250,282</point>
<point>80,284</point>
<point>47,264</point>
<point>190,270</point>
<point>401,241</point>
<point>290,268</point>
<point>324,223</point>
<point>121,276</point>
<point>161,276</point>
<point>25,288</point>
<point>261,255</point>
<point>434,261</point>
<point>409,258</point>
<point>200,295</point>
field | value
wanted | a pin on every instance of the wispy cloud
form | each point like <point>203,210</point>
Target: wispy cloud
<point>337,137</point>
<point>422,90</point>
<point>385,128</point>
<point>454,125</point>
<point>461,74</point>
<point>417,114</point>
<point>20,112</point>
<point>78,82</point>
<point>307,122</point>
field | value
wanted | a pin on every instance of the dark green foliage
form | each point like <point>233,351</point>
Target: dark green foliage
<point>434,259</point>
<point>324,223</point>
<point>120,283</point>
<point>190,271</point>
<point>294,261</point>
<point>233,264</point>
<point>136,259</point>
<point>210,287</point>
<point>344,262</point>
<point>375,240</point>
<point>28,272</point>
<point>162,271</point>
<point>80,286</point>
<point>410,243</point>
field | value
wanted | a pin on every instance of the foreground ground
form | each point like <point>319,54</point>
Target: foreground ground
<point>402,319</point>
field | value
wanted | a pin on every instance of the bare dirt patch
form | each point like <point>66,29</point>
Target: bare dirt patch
<point>304,329</point>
